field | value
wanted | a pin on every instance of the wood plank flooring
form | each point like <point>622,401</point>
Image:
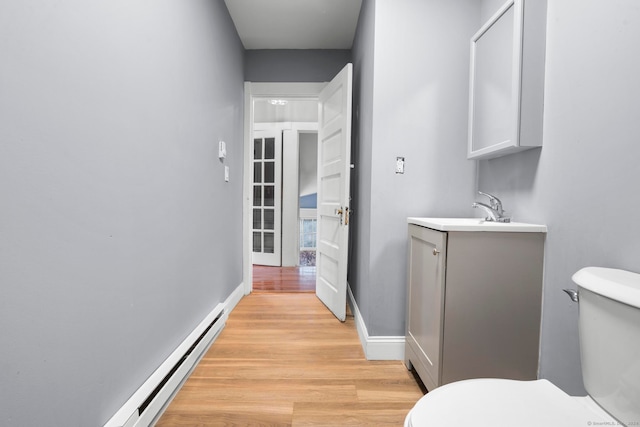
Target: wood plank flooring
<point>284,279</point>
<point>283,359</point>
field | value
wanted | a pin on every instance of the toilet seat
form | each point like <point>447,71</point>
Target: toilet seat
<point>499,402</point>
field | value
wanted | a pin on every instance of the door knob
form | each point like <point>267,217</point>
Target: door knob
<point>339,212</point>
<point>435,251</point>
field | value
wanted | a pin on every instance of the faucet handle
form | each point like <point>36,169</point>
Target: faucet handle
<point>493,201</point>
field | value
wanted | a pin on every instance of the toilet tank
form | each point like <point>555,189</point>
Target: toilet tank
<point>610,339</point>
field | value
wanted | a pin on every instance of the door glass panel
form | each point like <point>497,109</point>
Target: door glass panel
<point>257,172</point>
<point>269,219</point>
<point>308,233</point>
<point>270,172</point>
<point>257,241</point>
<point>257,195</point>
<point>257,219</point>
<point>257,148</point>
<point>268,243</point>
<point>269,195</point>
<point>270,148</point>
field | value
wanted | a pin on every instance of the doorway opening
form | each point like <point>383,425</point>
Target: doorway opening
<point>307,198</point>
<point>285,206</point>
<point>283,121</point>
<point>332,102</point>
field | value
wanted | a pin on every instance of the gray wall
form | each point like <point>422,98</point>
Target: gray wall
<point>291,65</point>
<point>117,232</point>
<point>361,152</point>
<point>308,164</point>
<point>583,182</point>
<point>412,102</point>
<point>411,68</point>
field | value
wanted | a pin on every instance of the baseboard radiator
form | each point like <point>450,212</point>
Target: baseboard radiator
<point>148,402</point>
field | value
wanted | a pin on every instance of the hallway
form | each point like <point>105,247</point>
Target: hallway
<point>284,279</point>
<point>283,359</point>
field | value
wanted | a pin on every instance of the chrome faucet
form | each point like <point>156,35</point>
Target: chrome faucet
<point>493,209</point>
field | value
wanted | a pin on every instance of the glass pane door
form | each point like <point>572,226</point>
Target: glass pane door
<point>267,204</point>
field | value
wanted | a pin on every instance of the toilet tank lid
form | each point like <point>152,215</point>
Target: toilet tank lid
<point>619,285</point>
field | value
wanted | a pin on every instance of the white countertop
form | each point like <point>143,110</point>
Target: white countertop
<point>476,224</point>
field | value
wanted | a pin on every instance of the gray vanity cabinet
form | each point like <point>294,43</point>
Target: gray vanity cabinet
<point>473,304</point>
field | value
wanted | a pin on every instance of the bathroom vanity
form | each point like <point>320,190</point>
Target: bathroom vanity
<point>474,299</point>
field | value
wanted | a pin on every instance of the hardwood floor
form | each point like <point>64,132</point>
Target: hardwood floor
<point>284,279</point>
<point>283,359</point>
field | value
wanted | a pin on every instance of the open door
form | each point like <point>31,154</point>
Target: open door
<point>334,166</point>
<point>267,197</point>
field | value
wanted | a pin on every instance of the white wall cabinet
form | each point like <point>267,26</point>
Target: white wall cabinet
<point>507,81</point>
<point>473,304</point>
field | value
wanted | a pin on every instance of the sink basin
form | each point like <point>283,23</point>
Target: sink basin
<point>476,224</point>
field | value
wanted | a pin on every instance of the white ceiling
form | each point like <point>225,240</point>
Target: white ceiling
<point>295,24</point>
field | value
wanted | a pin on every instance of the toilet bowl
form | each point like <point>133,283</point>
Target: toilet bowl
<point>609,323</point>
<point>498,402</point>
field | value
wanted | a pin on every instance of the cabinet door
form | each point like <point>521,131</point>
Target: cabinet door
<point>506,90</point>
<point>427,253</point>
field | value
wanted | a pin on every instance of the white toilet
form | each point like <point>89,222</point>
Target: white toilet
<point>609,324</point>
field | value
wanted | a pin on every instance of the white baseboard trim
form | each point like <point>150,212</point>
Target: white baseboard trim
<point>233,299</point>
<point>375,347</point>
<point>130,414</point>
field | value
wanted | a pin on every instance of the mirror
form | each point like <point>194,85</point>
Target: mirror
<point>499,82</point>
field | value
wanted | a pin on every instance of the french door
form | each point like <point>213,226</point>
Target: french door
<point>267,197</point>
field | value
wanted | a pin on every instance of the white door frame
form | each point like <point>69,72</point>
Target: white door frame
<point>251,92</point>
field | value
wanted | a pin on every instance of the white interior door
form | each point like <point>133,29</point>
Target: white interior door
<point>267,197</point>
<point>334,166</point>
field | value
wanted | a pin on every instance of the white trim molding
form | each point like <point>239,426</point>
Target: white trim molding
<point>375,347</point>
<point>233,299</point>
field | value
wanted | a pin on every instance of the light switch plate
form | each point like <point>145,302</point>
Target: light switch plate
<point>222,150</point>
<point>399,165</point>
<point>226,173</point>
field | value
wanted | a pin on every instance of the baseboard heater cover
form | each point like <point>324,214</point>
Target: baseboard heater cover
<point>152,397</point>
<point>173,370</point>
